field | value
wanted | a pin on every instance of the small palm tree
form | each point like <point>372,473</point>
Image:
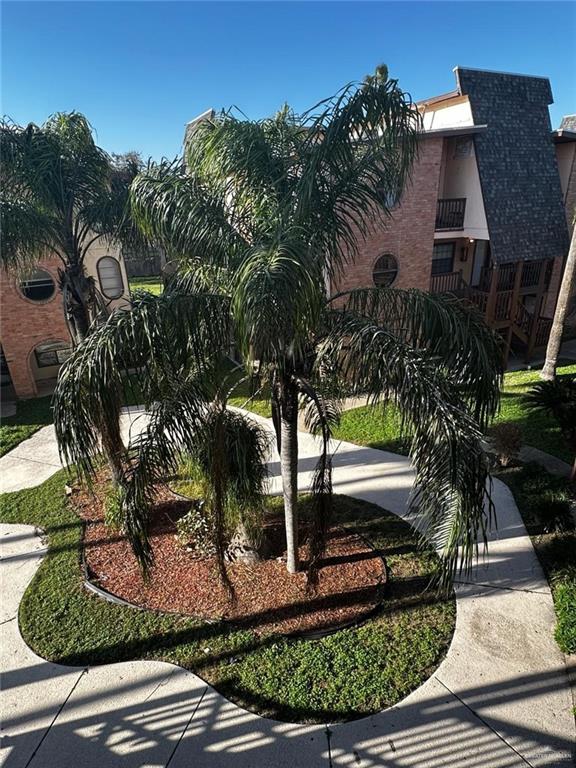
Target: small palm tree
<point>184,381</point>
<point>60,194</point>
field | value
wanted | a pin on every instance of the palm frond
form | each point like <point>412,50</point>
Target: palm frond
<point>186,217</point>
<point>320,417</point>
<point>452,502</point>
<point>277,300</point>
<point>451,331</point>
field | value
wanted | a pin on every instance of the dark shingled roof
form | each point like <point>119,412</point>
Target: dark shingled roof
<point>517,165</point>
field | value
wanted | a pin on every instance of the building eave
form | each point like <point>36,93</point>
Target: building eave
<point>562,136</point>
<point>464,130</point>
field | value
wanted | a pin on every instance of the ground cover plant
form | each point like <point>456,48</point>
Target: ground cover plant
<point>346,675</point>
<point>31,415</point>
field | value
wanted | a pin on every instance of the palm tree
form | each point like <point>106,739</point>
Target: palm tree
<point>60,194</point>
<point>185,386</point>
<point>282,204</point>
<point>261,215</point>
<point>567,287</point>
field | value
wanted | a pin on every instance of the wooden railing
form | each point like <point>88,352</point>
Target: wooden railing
<point>531,271</point>
<point>503,305</point>
<point>506,276</point>
<point>523,319</point>
<point>543,331</point>
<point>480,299</point>
<point>450,213</point>
<point>448,282</point>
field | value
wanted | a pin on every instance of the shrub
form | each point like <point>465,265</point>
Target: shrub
<point>554,513</point>
<point>196,530</point>
<point>506,440</point>
<point>113,511</point>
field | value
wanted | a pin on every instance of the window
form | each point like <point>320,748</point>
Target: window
<point>40,286</point>
<point>110,277</point>
<point>385,270</point>
<point>52,353</point>
<point>443,258</point>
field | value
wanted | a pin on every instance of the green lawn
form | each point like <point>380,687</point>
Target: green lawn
<point>30,416</point>
<point>151,284</point>
<point>351,673</point>
<point>381,428</point>
<point>538,429</point>
<point>253,398</point>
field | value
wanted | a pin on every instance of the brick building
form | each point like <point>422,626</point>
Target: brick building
<point>485,214</point>
<point>34,337</point>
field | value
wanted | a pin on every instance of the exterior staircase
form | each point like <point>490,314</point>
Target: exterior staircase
<point>498,297</point>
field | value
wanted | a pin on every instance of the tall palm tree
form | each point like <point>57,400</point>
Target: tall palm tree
<point>60,194</point>
<point>567,287</point>
<point>261,215</point>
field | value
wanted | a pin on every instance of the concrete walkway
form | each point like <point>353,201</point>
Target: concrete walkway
<point>499,699</point>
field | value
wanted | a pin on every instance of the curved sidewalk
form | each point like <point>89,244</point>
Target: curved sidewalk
<point>499,699</point>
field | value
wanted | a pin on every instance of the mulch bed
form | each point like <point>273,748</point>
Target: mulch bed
<point>267,598</point>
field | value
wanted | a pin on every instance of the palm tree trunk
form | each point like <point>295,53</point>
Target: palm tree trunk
<point>218,482</point>
<point>548,373</point>
<point>77,294</point>
<point>112,444</point>
<point>289,470</point>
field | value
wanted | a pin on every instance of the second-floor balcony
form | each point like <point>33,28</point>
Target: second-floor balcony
<point>450,213</point>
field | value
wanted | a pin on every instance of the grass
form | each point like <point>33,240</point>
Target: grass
<point>30,416</point>
<point>349,674</point>
<point>538,429</point>
<point>252,398</point>
<point>536,492</point>
<point>151,284</point>
<point>380,428</point>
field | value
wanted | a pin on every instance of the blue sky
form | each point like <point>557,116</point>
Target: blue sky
<point>141,70</point>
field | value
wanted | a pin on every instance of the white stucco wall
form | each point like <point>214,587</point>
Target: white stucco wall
<point>565,155</point>
<point>98,250</point>
<point>460,178</point>
<point>449,114</point>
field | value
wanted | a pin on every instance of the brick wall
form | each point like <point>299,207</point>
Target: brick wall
<point>408,234</point>
<point>25,324</point>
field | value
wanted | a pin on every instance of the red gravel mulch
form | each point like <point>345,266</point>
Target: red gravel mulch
<point>267,597</point>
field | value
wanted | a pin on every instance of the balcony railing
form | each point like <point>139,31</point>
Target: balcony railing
<point>448,282</point>
<point>450,213</point>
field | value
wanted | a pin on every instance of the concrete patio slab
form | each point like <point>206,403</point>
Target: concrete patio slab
<point>429,729</point>
<point>33,690</point>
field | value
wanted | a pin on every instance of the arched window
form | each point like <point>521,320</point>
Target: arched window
<point>52,353</point>
<point>110,276</point>
<point>385,270</point>
<point>40,286</point>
